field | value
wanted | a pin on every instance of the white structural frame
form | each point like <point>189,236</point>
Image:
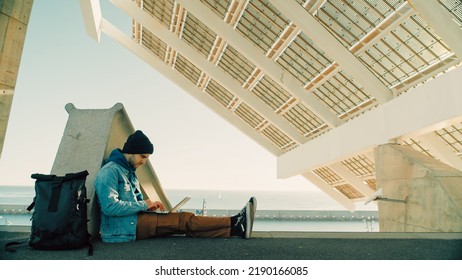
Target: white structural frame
<point>431,107</point>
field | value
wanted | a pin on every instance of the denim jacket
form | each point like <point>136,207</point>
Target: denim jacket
<point>120,199</point>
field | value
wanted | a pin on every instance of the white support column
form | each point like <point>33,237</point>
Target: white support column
<point>441,150</point>
<point>185,84</point>
<point>330,191</point>
<point>442,22</point>
<point>268,66</point>
<point>421,110</point>
<point>351,178</point>
<point>217,73</point>
<point>311,27</point>
<point>91,12</point>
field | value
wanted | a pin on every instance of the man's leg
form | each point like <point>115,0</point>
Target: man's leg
<point>200,226</point>
<point>153,225</point>
<point>146,226</point>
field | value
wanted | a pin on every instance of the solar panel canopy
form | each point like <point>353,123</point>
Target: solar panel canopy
<point>318,84</point>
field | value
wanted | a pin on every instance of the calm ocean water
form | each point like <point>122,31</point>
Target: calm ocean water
<point>16,195</point>
<point>227,200</point>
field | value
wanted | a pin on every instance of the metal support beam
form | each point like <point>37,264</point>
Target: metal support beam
<point>311,27</point>
<point>354,181</point>
<point>422,110</point>
<point>330,191</point>
<point>442,22</point>
<point>441,150</point>
<point>383,29</point>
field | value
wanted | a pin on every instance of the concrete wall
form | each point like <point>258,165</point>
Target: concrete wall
<point>431,189</point>
<point>14,17</point>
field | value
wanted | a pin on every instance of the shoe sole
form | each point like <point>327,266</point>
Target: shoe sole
<point>253,200</point>
<point>248,221</point>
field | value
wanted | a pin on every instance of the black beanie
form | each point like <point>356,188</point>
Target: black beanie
<point>138,143</point>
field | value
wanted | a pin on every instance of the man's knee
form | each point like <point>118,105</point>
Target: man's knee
<point>187,221</point>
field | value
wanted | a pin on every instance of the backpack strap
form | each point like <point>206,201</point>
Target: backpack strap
<point>12,243</point>
<point>90,246</point>
<point>31,206</point>
<point>53,205</point>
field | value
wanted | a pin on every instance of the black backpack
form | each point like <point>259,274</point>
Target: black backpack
<point>59,220</point>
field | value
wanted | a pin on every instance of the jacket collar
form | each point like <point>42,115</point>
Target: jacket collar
<point>118,157</point>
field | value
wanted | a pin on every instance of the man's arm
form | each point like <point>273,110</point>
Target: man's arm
<point>106,187</point>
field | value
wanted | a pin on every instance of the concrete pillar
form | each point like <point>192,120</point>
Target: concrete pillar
<point>14,17</point>
<point>419,193</point>
<point>88,139</point>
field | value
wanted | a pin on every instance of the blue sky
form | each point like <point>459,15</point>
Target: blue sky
<point>194,147</point>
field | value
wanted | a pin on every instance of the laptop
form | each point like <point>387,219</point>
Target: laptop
<point>173,210</point>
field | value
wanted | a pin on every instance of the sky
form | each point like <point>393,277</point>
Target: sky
<point>194,147</point>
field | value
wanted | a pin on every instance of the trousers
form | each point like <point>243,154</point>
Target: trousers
<point>156,225</point>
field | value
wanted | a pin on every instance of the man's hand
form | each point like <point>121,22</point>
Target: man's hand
<point>154,205</point>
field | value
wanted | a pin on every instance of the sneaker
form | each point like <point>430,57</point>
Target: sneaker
<point>244,220</point>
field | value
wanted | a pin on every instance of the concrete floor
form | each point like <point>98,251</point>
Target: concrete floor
<point>263,246</point>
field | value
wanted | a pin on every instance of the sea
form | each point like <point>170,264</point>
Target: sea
<point>276,210</point>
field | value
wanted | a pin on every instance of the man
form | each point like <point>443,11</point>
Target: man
<point>121,202</point>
